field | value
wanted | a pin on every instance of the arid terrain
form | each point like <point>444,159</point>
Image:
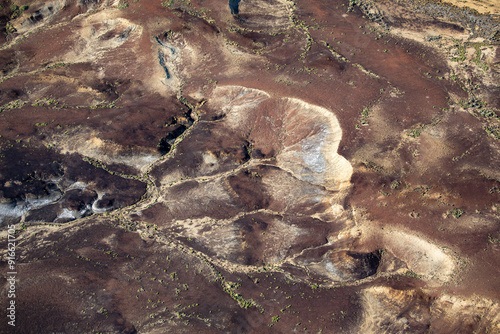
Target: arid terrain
<point>305,166</point>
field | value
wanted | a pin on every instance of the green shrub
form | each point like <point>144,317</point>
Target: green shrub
<point>456,212</point>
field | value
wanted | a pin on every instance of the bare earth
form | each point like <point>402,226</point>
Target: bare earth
<point>482,6</point>
<point>307,166</point>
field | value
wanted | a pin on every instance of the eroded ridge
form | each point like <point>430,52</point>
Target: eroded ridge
<point>265,184</point>
<point>304,138</point>
<point>268,187</point>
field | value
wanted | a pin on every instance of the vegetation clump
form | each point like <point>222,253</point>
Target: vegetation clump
<point>16,11</point>
<point>456,212</point>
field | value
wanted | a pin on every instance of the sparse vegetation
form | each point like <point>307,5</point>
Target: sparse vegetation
<point>17,11</point>
<point>216,237</point>
<point>494,131</point>
<point>456,212</point>
<point>493,240</point>
<point>395,184</point>
<point>123,4</point>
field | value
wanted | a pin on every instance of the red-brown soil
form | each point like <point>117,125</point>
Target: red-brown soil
<point>304,167</point>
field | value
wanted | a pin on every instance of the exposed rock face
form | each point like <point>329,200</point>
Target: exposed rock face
<point>396,311</point>
<point>46,187</point>
<point>304,138</point>
<point>296,167</point>
<point>281,169</point>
